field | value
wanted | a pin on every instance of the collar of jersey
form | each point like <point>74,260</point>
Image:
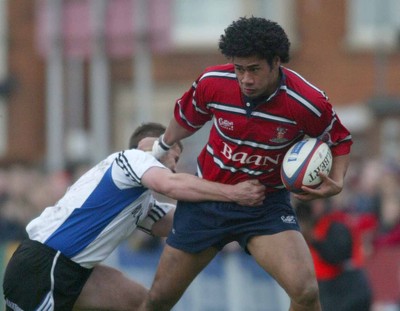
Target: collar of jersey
<point>264,99</point>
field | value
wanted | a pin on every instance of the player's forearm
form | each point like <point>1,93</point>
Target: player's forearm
<point>339,168</point>
<point>172,135</point>
<point>175,132</point>
<point>187,187</point>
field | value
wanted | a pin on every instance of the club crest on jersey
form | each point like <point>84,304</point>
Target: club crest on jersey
<point>225,124</point>
<point>280,135</point>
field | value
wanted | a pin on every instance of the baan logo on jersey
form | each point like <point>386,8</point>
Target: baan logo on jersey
<point>245,158</point>
<point>228,125</point>
<point>280,135</point>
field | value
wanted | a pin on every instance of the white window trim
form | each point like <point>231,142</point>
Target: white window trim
<point>192,40</point>
<point>370,36</point>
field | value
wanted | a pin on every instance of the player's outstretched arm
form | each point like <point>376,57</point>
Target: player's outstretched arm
<point>188,187</point>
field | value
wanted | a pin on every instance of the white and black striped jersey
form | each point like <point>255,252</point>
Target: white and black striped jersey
<point>101,209</point>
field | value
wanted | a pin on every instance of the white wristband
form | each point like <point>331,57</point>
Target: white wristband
<point>163,144</point>
<point>158,152</point>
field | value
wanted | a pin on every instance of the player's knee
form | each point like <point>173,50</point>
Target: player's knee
<point>307,294</point>
<point>155,303</point>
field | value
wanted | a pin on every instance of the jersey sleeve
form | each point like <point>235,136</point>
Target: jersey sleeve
<point>129,167</point>
<point>320,120</point>
<point>157,211</point>
<point>191,110</point>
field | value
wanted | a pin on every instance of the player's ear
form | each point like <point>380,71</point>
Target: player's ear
<point>276,62</point>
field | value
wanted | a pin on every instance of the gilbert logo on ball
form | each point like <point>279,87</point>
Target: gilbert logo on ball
<point>303,162</point>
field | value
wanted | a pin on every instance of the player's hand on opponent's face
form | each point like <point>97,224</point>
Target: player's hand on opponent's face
<point>249,193</point>
<point>328,188</point>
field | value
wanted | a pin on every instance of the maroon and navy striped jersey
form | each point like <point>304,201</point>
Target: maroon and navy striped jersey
<point>249,138</point>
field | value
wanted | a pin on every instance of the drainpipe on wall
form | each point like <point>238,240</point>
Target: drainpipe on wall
<point>54,89</point>
<point>99,85</point>
<point>3,75</point>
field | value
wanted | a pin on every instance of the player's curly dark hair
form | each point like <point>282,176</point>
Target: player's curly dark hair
<point>255,36</point>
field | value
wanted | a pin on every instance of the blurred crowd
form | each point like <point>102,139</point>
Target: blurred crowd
<point>27,190</point>
<point>354,239</point>
<point>371,195</point>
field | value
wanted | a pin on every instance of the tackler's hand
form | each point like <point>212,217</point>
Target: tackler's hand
<point>249,193</point>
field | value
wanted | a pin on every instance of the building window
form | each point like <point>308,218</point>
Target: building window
<point>199,24</point>
<point>373,24</point>
<point>390,139</point>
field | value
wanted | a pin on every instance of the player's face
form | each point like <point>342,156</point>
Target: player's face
<point>170,160</point>
<point>255,76</point>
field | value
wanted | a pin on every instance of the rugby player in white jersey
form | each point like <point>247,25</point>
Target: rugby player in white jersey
<point>59,266</point>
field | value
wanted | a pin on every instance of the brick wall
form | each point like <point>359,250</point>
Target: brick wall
<point>320,55</point>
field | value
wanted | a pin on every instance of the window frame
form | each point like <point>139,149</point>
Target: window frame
<point>373,25</point>
<point>206,38</point>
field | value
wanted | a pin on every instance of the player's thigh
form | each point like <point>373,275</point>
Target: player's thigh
<point>286,257</point>
<point>109,289</point>
<point>176,270</point>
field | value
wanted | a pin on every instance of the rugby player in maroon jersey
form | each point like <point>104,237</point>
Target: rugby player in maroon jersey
<point>258,109</point>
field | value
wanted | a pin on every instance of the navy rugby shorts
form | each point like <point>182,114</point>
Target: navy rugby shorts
<point>200,225</point>
<point>38,277</point>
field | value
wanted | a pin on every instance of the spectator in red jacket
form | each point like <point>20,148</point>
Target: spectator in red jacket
<point>334,238</point>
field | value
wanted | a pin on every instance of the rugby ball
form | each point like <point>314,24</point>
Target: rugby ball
<point>302,163</point>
